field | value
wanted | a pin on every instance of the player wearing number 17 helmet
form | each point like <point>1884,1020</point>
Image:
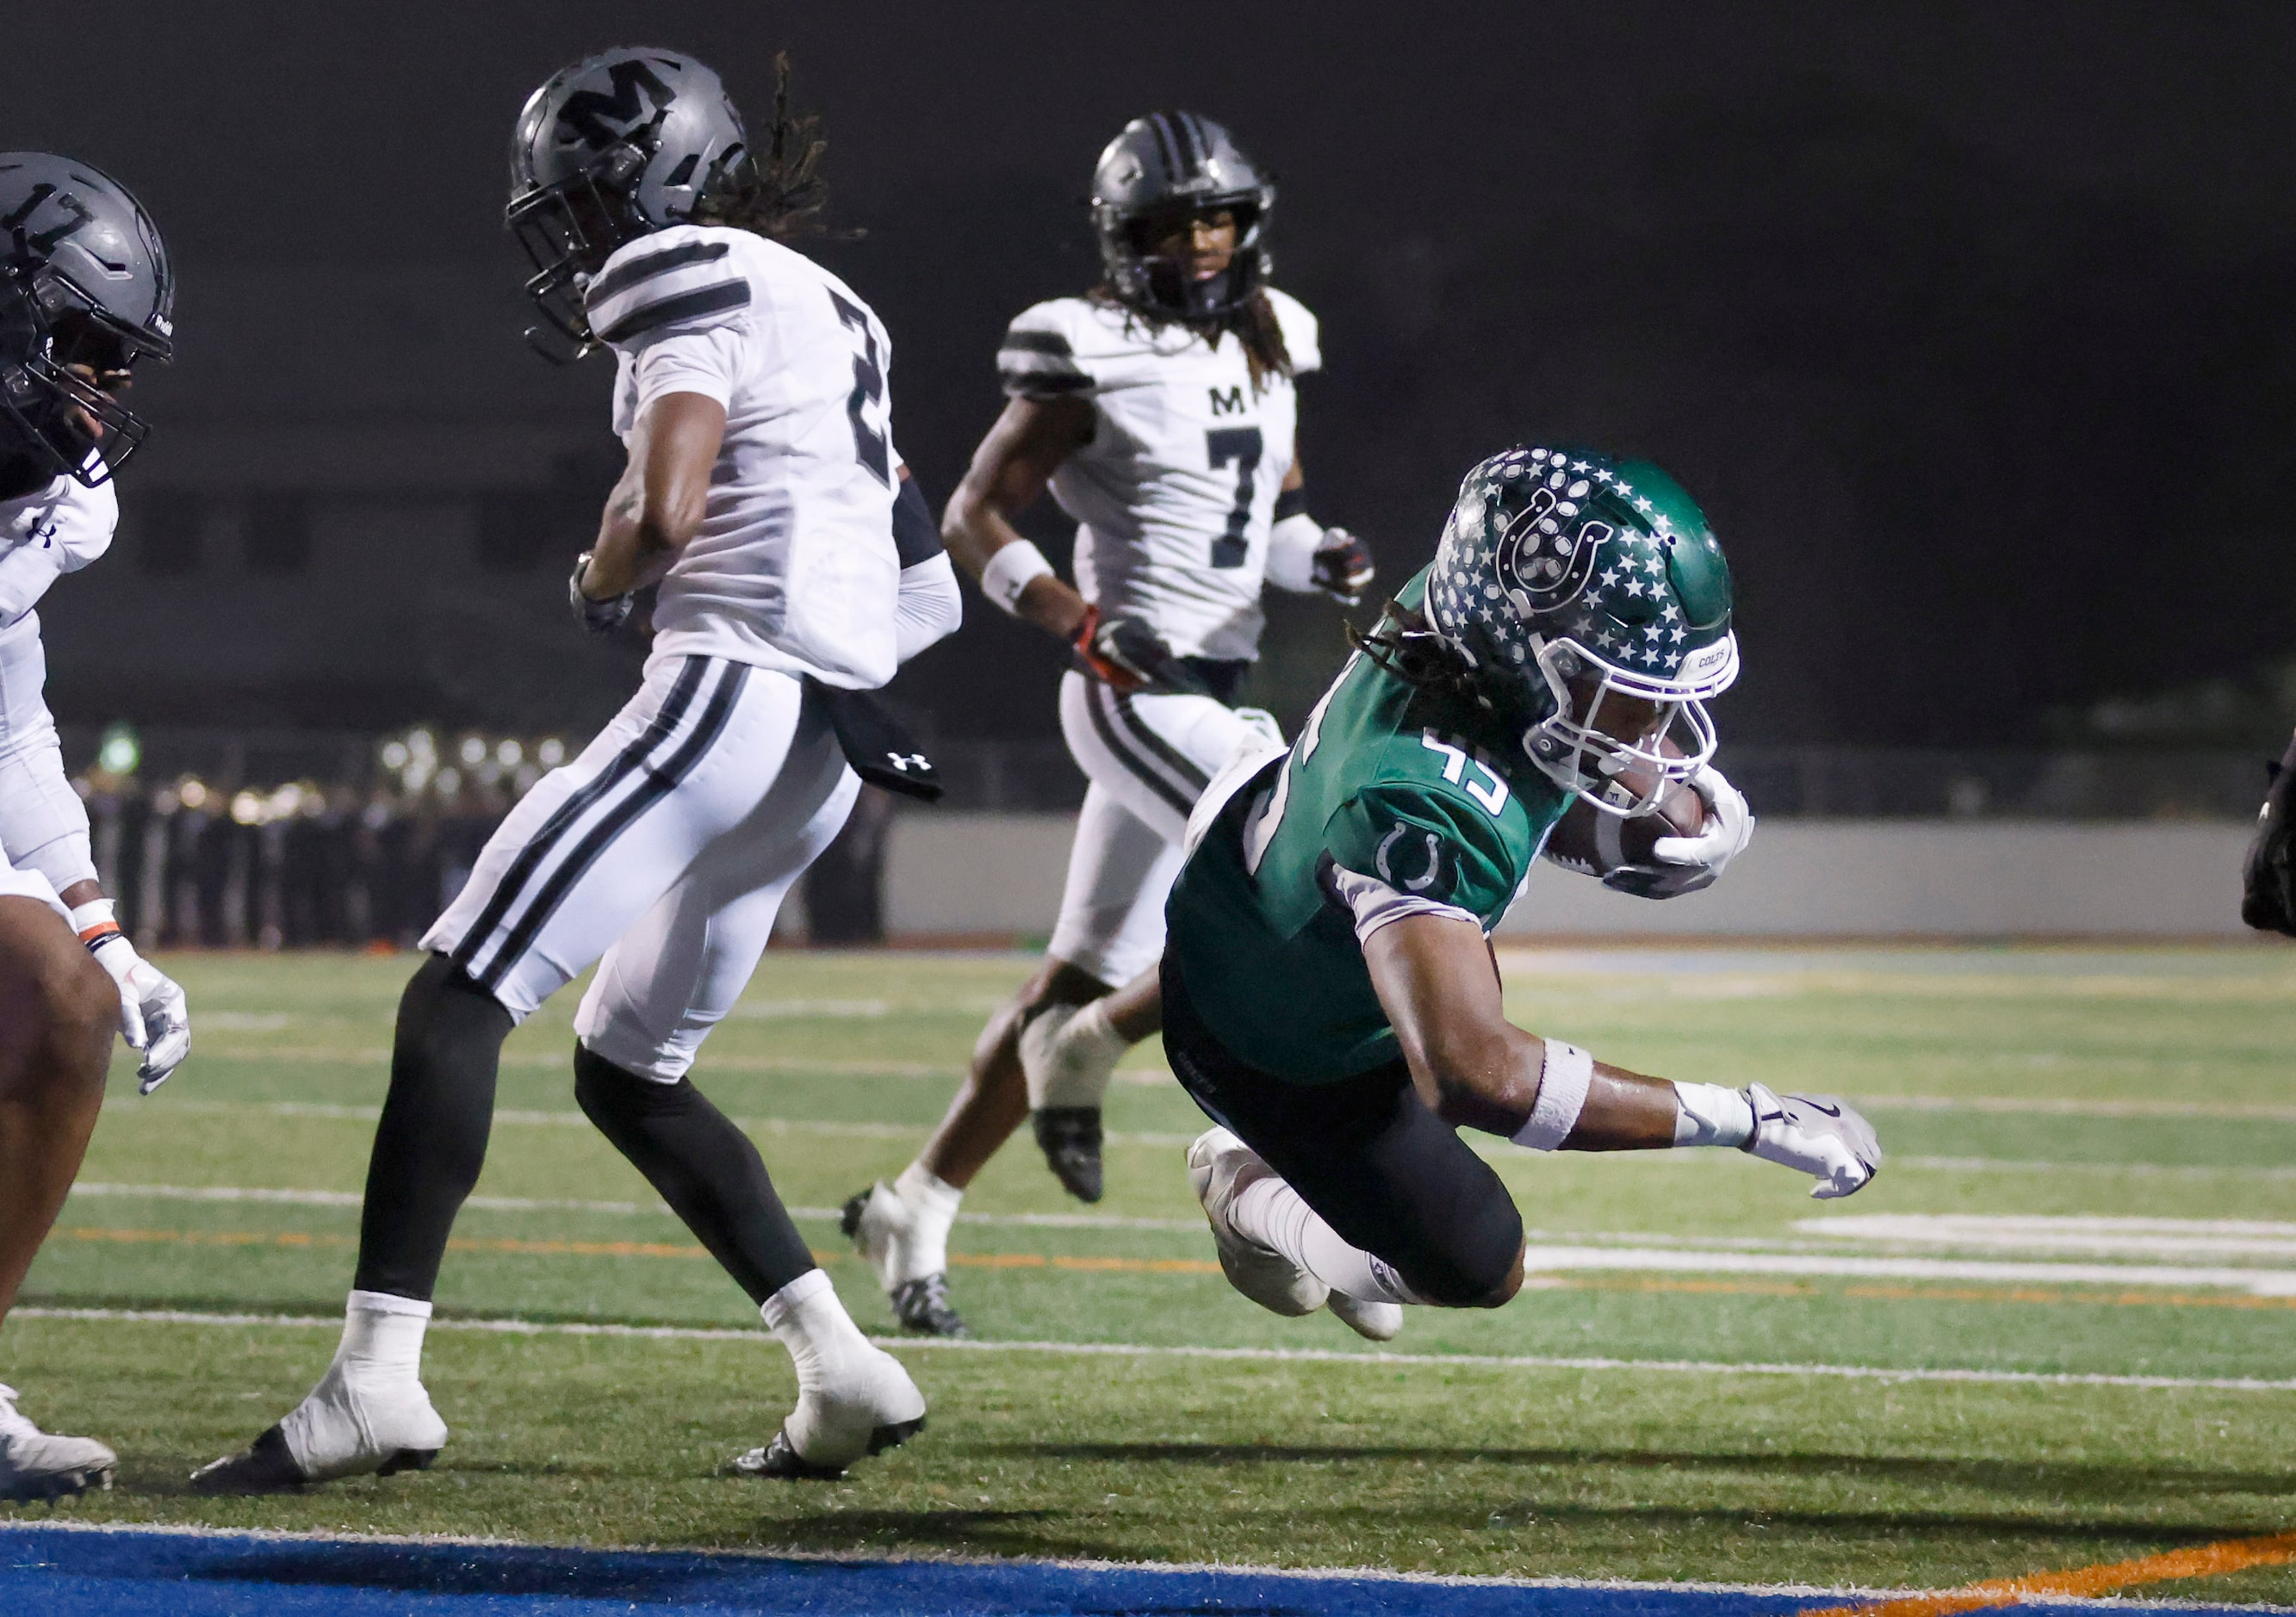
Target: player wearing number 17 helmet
<point>1330,999</point>
<point>1160,411</point>
<point>764,496</point>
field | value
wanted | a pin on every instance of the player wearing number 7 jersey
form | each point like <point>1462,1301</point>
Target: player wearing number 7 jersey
<point>764,494</point>
<point>1159,409</point>
<point>1329,998</point>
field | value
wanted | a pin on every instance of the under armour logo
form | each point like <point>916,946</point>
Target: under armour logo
<point>46,535</point>
<point>906,761</point>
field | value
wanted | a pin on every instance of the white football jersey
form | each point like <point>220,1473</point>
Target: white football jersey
<point>1174,496</point>
<point>795,567</point>
<point>42,535</point>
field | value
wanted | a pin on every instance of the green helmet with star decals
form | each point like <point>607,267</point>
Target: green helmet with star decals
<point>1565,578</point>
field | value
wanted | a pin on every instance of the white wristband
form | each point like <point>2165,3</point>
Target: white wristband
<point>1563,1083</point>
<point>96,912</point>
<point>1292,547</point>
<point>1009,572</point>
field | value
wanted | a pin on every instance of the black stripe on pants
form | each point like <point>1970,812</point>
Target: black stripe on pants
<point>657,785</point>
<point>631,758</point>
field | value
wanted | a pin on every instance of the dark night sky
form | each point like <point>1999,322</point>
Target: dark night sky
<point>1966,321</point>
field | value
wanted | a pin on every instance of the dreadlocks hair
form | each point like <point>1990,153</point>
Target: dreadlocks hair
<point>1403,644</point>
<point>1254,324</point>
<point>777,192</point>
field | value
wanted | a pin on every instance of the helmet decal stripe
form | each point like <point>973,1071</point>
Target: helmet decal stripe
<point>1168,143</point>
<point>1200,137</point>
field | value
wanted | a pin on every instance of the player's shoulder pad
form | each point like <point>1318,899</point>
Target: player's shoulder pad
<point>687,278</point>
<point>1050,348</point>
<point>1428,840</point>
<point>82,524</point>
<point>1302,332</point>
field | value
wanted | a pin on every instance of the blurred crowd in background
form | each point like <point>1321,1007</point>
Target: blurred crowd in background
<point>363,861</point>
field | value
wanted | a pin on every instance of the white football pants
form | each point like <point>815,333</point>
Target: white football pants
<point>1148,759</point>
<point>667,848</point>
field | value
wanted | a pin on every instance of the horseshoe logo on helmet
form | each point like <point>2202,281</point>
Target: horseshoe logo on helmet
<point>1544,555</point>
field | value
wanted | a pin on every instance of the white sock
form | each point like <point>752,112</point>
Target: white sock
<point>932,1203</point>
<point>1083,1053</point>
<point>812,1324</point>
<point>1711,1115</point>
<point>382,1337</point>
<point>1275,1215</point>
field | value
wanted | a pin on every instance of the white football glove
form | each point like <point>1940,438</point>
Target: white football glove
<point>153,1018</point>
<point>1689,863</point>
<point>1820,1135</point>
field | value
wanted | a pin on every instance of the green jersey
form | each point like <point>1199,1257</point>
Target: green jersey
<point>1423,791</point>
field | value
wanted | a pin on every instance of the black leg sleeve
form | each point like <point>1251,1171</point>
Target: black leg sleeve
<point>433,1140</point>
<point>704,1167</point>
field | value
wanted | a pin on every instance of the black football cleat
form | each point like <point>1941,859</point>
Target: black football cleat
<point>1069,1138</point>
<point>923,1306</point>
<point>781,1459</point>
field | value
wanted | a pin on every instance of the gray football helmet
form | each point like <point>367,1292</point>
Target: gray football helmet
<point>85,283</point>
<point>620,145</point>
<point>1165,167</point>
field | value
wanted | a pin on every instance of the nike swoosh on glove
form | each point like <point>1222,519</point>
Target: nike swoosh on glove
<point>1686,864</point>
<point>1820,1135</point>
<point>1343,568</point>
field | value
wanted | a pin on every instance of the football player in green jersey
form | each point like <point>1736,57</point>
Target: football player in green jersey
<point>1330,996</point>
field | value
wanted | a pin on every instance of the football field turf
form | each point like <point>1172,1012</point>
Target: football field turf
<point>2059,1331</point>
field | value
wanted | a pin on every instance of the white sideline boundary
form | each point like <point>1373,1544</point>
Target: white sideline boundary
<point>1134,1350</point>
<point>1368,1574</point>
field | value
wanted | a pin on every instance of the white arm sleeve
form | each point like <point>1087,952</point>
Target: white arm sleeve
<point>929,606</point>
<point>1373,903</point>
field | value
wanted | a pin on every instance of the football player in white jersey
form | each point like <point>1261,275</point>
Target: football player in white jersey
<point>1159,409</point>
<point>795,562</point>
<point>85,294</point>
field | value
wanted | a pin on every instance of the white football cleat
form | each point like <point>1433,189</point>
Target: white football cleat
<point>1372,1321</point>
<point>865,1405</point>
<point>1820,1135</point>
<point>1219,1167</point>
<point>36,1465</point>
<point>354,1423</point>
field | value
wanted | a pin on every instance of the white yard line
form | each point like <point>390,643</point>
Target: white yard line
<point>2097,1237</point>
<point>2229,1111</point>
<point>1134,1350</point>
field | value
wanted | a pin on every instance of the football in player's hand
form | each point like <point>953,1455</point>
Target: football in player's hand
<point>1594,843</point>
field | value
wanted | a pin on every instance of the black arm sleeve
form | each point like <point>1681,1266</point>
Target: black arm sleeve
<point>916,537</point>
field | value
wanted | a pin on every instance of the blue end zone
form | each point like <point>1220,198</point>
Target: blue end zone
<point>67,1573</point>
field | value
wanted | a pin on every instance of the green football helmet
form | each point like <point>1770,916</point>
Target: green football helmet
<point>1563,577</point>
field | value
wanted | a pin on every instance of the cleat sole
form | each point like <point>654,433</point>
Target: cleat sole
<point>780,1461</point>
<point>265,1466</point>
<point>848,1217</point>
<point>408,1459</point>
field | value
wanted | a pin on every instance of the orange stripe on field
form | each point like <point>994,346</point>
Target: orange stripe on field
<point>617,1249</point>
<point>2200,1561</point>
